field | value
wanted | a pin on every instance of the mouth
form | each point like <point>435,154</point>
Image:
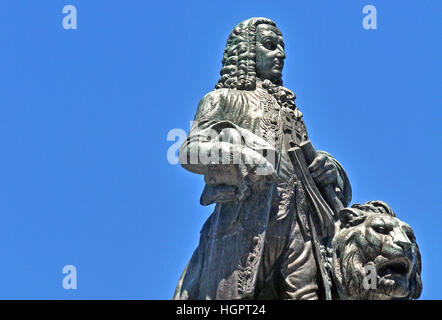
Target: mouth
<point>393,277</point>
<point>396,267</point>
<point>278,65</point>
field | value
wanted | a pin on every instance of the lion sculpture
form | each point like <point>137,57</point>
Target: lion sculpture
<point>371,235</point>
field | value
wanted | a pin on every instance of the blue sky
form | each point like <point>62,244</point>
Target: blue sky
<point>85,113</point>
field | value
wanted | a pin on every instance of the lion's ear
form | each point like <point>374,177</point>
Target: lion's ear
<point>351,217</point>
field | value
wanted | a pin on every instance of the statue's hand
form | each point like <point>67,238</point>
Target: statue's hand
<point>224,183</point>
<point>232,182</point>
<point>323,171</point>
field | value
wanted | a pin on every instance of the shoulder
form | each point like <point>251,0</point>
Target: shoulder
<point>219,98</point>
<point>222,100</point>
<point>211,105</point>
<point>215,95</point>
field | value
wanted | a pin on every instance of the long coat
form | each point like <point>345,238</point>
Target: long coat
<point>225,263</point>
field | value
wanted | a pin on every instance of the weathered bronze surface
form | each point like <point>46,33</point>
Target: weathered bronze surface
<point>280,228</point>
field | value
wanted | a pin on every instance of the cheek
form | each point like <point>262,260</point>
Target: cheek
<point>374,242</point>
<point>263,59</point>
<point>361,239</point>
<point>414,253</point>
<point>260,62</point>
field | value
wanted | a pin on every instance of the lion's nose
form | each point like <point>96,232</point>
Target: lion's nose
<point>405,245</point>
<point>402,240</point>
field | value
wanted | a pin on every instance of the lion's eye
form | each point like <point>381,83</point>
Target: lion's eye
<point>381,229</point>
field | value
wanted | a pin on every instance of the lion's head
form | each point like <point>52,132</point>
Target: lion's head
<point>372,236</point>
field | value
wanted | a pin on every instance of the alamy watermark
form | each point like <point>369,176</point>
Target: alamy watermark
<point>70,280</point>
<point>370,19</point>
<point>222,145</point>
<point>70,20</point>
<point>370,277</point>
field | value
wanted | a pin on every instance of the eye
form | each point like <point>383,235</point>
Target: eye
<point>381,229</point>
<point>270,45</point>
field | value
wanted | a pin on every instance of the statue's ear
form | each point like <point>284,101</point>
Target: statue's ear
<point>351,217</point>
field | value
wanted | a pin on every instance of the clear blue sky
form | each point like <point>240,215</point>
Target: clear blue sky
<point>84,116</point>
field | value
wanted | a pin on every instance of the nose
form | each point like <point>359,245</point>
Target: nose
<point>402,240</point>
<point>281,53</point>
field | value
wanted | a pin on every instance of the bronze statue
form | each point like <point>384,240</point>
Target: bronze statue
<point>277,199</point>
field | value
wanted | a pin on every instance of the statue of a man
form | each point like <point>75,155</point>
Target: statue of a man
<point>264,238</point>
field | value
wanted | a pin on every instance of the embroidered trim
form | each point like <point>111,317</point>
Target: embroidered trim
<point>245,273</point>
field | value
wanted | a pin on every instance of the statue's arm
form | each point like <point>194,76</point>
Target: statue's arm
<point>215,147</point>
<point>198,141</point>
<point>215,138</point>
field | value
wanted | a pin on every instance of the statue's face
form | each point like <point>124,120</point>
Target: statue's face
<point>269,52</point>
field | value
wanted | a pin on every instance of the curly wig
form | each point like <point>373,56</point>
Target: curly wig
<point>239,63</point>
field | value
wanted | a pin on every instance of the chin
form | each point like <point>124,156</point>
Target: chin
<point>275,76</point>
